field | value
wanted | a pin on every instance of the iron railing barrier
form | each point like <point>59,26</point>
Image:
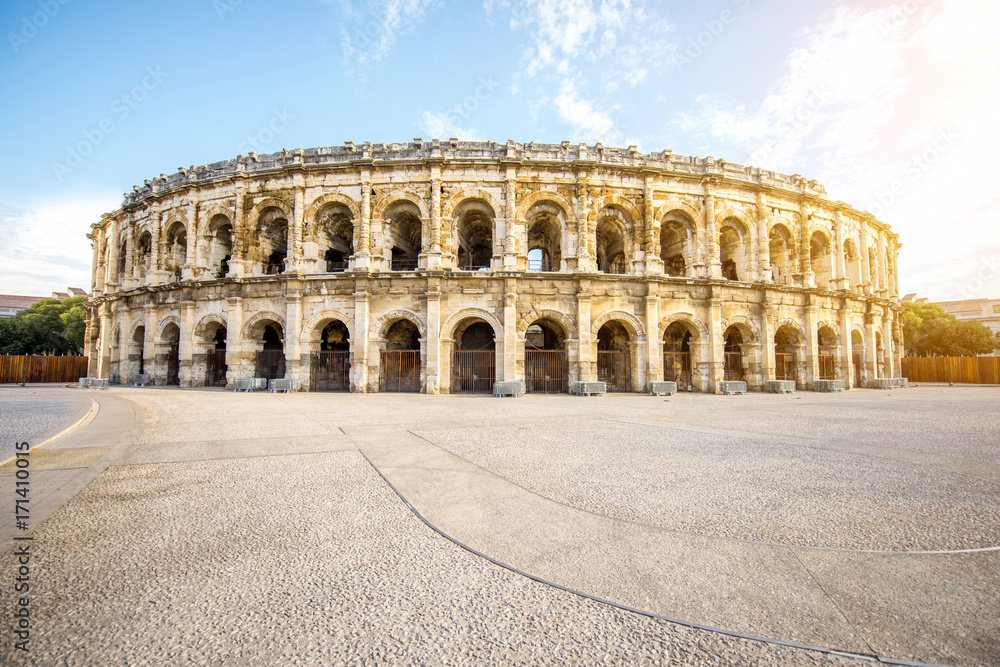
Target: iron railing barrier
<point>828,385</point>
<point>283,385</point>
<point>140,380</point>
<point>661,388</point>
<point>514,389</point>
<point>590,388</point>
<point>780,386</point>
<point>730,387</point>
<point>889,383</point>
<point>114,378</point>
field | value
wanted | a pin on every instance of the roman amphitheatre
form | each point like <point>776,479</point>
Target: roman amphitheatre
<point>446,266</point>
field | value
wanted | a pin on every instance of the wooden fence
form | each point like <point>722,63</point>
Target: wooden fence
<point>36,368</point>
<point>966,370</point>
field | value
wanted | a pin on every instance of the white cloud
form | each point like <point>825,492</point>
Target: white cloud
<point>374,33</point>
<point>51,251</point>
<point>445,125</point>
<point>588,123</point>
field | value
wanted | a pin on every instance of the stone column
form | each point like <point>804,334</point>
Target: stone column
<point>510,342</point>
<point>298,221</point>
<point>234,344</point>
<point>191,241</point>
<point>104,344</point>
<point>362,254</point>
<point>812,342</point>
<point>712,259</point>
<point>654,347</point>
<point>805,249</point>
<point>653,264</point>
<point>871,361</point>
<point>157,375</point>
<point>839,267</point>
<point>185,345</point>
<point>716,343</point>
<point>888,348</point>
<point>866,274</point>
<point>238,261</point>
<point>359,338</point>
<point>586,255</point>
<point>293,326</point>
<point>883,290</point>
<point>586,356</point>
<point>846,348</point>
<point>763,242</point>
<point>433,338</point>
<point>509,211</point>
<point>767,361</point>
<point>434,256</point>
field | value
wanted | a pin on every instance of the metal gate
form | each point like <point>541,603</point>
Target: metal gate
<point>614,368</point>
<point>732,370</point>
<point>215,375</point>
<point>546,371</point>
<point>399,371</point>
<point>330,370</point>
<point>784,366</point>
<point>826,371</point>
<point>858,379</point>
<point>174,364</point>
<point>473,371</point>
<point>270,364</point>
<point>677,368</point>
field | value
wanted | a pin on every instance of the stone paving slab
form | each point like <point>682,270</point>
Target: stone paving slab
<point>56,458</point>
<point>204,450</point>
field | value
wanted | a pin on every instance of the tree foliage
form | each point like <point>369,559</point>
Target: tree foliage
<point>49,326</point>
<point>928,331</point>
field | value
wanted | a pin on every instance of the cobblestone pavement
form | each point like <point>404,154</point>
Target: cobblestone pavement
<point>251,529</point>
<point>36,412</point>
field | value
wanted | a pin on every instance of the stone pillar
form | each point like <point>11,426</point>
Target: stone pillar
<point>871,361</point>
<point>712,259</point>
<point>359,338</point>
<point>895,270</point>
<point>846,348</point>
<point>362,254</point>
<point>104,344</point>
<point>883,289</point>
<point>509,211</point>
<point>763,242</point>
<point>295,229</point>
<point>151,363</point>
<point>586,253</point>
<point>716,343</point>
<point>767,361</point>
<point>434,256</point>
<point>888,348</point>
<point>185,345</point>
<point>839,268</point>
<point>511,349</point>
<point>812,342</point>
<point>586,356</point>
<point>234,344</point>
<point>654,346</point>
<point>191,241</point>
<point>293,326</point>
<point>805,247</point>
<point>651,257</point>
<point>238,261</point>
<point>866,274</point>
<point>433,338</point>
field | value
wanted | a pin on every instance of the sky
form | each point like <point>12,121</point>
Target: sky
<point>893,106</point>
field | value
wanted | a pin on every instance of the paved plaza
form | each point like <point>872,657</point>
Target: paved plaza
<point>178,526</point>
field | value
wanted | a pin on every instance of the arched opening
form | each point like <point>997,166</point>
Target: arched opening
<point>545,235</point>
<point>143,255</point>
<point>115,352</point>
<point>732,250</point>
<point>733,355</point>
<point>858,355</point>
<point>474,235</point>
<point>404,236</point>
<point>170,351</point>
<point>474,363</point>
<point>546,361</point>
<point>330,366</point>
<point>612,234</point>
<point>828,345</point>
<point>786,353</point>
<point>122,258</point>
<point>176,249</point>
<point>780,244</point>
<point>399,368</point>
<point>272,241</point>
<point>216,367</point>
<point>873,269</point>
<point>220,249</point>
<point>335,232</point>
<point>137,352</point>
<point>614,357</point>
<point>820,259</point>
<point>674,247</point>
<point>270,361</point>
<point>677,356</point>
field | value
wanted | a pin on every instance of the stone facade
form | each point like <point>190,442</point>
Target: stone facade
<point>595,262</point>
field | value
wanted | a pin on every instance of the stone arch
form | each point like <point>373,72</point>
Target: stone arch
<point>330,198</point>
<point>614,237</point>
<point>632,323</point>
<point>794,325</point>
<point>550,196</point>
<point>684,207</point>
<point>624,204</point>
<point>213,210</point>
<point>449,325</point>
<point>735,242</point>
<point>266,203</point>
<point>201,328</point>
<point>545,225</point>
<point>138,324</point>
<point>164,323</point>
<point>698,329</point>
<point>747,327</point>
<point>472,234</point>
<point>388,318</point>
<point>831,325</point>
<point>253,328</point>
<point>399,194</point>
<point>312,329</point>
<point>448,208</point>
<point>563,320</point>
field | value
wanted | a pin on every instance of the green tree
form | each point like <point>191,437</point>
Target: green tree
<point>49,326</point>
<point>929,331</point>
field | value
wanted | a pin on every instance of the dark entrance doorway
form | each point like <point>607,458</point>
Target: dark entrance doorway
<point>474,364</point>
<point>215,374</point>
<point>546,363</point>
<point>271,358</point>
<point>330,368</point>
<point>677,356</point>
<point>732,369</point>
